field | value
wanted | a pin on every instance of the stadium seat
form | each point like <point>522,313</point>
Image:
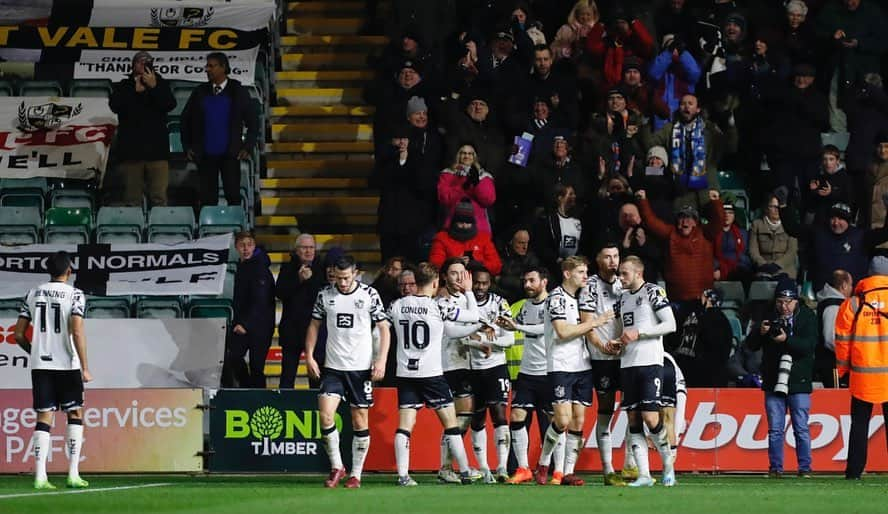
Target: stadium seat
<point>159,307</point>
<point>67,226</point>
<point>19,225</point>
<point>210,307</point>
<point>733,295</point>
<point>10,308</point>
<point>762,290</point>
<point>174,129</point>
<point>736,330</point>
<point>837,139</point>
<point>23,192</point>
<point>108,307</point>
<point>182,94</point>
<point>221,220</point>
<point>120,225</point>
<point>7,88</point>
<point>71,197</point>
<point>170,224</point>
<point>730,180</point>
<point>91,88</point>
<point>41,88</point>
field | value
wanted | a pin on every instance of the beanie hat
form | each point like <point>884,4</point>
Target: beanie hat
<point>632,63</point>
<point>416,104</point>
<point>841,210</point>
<point>464,212</point>
<point>787,288</point>
<point>658,151</point>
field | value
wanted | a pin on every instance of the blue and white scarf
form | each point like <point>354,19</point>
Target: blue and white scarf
<point>688,154</point>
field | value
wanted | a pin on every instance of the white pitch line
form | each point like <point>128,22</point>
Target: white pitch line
<point>81,491</point>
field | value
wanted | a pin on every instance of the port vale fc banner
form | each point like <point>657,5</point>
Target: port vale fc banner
<point>97,38</point>
<point>191,268</point>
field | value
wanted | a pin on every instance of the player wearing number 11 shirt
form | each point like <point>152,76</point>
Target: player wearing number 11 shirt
<point>421,323</point>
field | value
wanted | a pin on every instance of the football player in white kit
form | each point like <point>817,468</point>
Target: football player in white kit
<point>58,364</point>
<point>599,297</point>
<point>531,388</point>
<point>489,377</point>
<point>455,358</point>
<point>568,367</point>
<point>349,309</point>
<point>643,317</point>
<point>421,323</point>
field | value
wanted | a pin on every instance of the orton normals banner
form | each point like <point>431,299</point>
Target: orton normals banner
<point>135,430</point>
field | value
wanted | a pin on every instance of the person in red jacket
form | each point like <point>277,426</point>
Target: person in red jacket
<point>463,239</point>
<point>690,259</point>
<point>623,36</point>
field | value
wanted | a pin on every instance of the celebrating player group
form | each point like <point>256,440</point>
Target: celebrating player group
<point>601,333</point>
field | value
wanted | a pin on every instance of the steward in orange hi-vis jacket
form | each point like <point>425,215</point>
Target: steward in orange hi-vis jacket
<point>862,350</point>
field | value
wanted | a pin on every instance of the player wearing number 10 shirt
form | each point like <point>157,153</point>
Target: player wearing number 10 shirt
<point>349,309</point>
<point>421,323</point>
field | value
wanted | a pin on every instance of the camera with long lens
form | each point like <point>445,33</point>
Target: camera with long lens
<point>784,368</point>
<point>776,326</point>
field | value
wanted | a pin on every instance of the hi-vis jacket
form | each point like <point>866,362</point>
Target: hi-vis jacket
<point>862,339</point>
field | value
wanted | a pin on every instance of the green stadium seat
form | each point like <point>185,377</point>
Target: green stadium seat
<point>159,307</point>
<point>91,88</point>
<point>220,219</point>
<point>170,224</point>
<point>730,180</point>
<point>182,94</point>
<point>23,192</point>
<point>206,307</point>
<point>120,225</point>
<point>10,308</point>
<point>67,225</point>
<point>762,290</point>
<point>108,307</point>
<point>19,225</point>
<point>41,88</point>
<point>71,197</point>
<point>175,130</point>
<point>736,330</point>
<point>733,295</point>
<point>7,88</point>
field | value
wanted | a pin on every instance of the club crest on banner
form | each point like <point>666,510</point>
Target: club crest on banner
<point>181,16</point>
<point>48,116</point>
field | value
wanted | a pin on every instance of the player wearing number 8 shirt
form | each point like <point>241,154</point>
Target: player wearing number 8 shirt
<point>421,324</point>
<point>58,364</point>
<point>349,309</point>
<point>643,317</point>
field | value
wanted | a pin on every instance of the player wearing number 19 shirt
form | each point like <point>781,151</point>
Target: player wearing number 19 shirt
<point>643,317</point>
<point>349,309</point>
<point>58,364</point>
<point>421,324</point>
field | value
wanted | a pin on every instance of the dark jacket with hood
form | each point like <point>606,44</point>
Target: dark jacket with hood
<point>254,297</point>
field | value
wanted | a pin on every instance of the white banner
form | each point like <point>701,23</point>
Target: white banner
<point>55,136</point>
<point>134,353</point>
<point>240,15</point>
<point>190,268</point>
<point>172,65</point>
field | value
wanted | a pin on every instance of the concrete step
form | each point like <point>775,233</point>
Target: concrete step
<point>313,183</point>
<point>311,168</point>
<point>320,61</point>
<point>282,132</point>
<point>350,242</point>
<point>320,205</point>
<point>321,147</point>
<point>330,78</point>
<point>325,112</point>
<point>276,222</point>
<point>324,25</point>
<point>356,44</point>
<point>364,258</point>
<point>320,96</point>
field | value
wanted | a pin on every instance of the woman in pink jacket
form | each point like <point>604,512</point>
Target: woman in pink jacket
<point>466,180</point>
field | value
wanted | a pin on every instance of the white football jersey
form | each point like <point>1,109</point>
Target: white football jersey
<point>454,356</point>
<point>680,385</point>
<point>418,322</point>
<point>492,308</point>
<point>349,319</point>
<point>50,307</point>
<point>569,355</point>
<point>599,297</point>
<point>533,360</point>
<point>638,309</point>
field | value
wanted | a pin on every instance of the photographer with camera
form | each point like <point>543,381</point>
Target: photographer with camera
<point>787,342</point>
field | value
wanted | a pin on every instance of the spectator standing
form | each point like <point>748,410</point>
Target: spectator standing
<point>773,251</point>
<point>866,105</point>
<point>141,102</point>
<point>297,286</point>
<point>623,36</point>
<point>467,180</point>
<point>571,37</point>
<point>462,239</point>
<point>731,250</point>
<point>787,342</point>
<point>557,234</point>
<point>705,343</point>
<point>475,125</point>
<point>253,311</point>
<point>386,282</point>
<point>832,185</point>
<point>517,258</point>
<point>876,190</point>
<point>837,244</point>
<point>799,39</point>
<point>212,126</point>
<point>675,73</point>
<point>829,299</point>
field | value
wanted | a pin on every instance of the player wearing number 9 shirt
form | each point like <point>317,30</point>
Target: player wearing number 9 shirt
<point>421,323</point>
<point>349,309</point>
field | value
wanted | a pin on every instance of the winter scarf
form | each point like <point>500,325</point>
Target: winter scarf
<point>689,154</point>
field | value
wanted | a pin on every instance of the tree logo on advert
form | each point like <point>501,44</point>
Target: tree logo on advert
<point>48,116</point>
<point>267,422</point>
<point>275,432</point>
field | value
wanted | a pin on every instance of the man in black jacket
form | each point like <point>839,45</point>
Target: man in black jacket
<point>212,123</point>
<point>253,323</point>
<point>141,103</point>
<point>297,286</point>
<point>705,344</point>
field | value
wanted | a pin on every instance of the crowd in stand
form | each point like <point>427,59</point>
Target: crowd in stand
<point>516,133</point>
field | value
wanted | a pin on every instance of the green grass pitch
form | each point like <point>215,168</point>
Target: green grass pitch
<point>299,493</point>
